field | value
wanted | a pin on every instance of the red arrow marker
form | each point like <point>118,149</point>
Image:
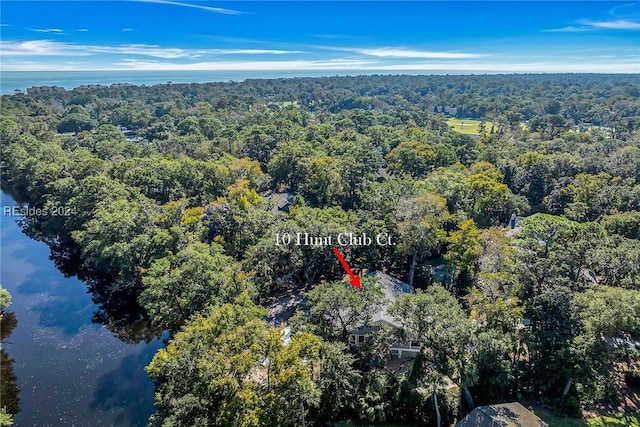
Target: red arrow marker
<point>355,280</point>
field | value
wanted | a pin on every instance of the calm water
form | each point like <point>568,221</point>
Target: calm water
<point>70,372</point>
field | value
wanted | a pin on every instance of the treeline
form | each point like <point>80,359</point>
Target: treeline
<point>177,231</point>
<point>594,98</point>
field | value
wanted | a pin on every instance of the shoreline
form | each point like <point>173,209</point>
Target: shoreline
<point>12,82</point>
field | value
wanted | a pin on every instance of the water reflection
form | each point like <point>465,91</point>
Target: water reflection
<point>120,312</point>
<point>67,369</point>
<point>122,388</point>
<point>117,310</point>
<point>9,389</point>
<point>65,308</point>
<point>8,322</point>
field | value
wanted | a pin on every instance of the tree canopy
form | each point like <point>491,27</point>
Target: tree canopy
<point>522,240</point>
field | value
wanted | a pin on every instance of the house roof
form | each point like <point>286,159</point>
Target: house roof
<point>392,289</point>
<point>504,415</point>
<point>280,201</point>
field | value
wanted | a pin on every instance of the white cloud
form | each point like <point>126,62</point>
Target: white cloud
<point>197,6</point>
<point>390,52</point>
<point>253,51</point>
<point>568,29</point>
<point>40,48</point>
<point>618,24</point>
<point>407,53</point>
<point>333,64</point>
<point>630,10</point>
<point>142,50</point>
<point>585,25</point>
<point>5,25</point>
<point>620,65</point>
<point>47,30</point>
<point>175,53</point>
<point>52,55</point>
<point>148,65</point>
<point>82,30</point>
<point>52,48</point>
<point>631,66</point>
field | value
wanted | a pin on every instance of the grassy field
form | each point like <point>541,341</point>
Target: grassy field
<point>615,420</point>
<point>468,126</point>
<point>556,421</point>
<point>605,421</point>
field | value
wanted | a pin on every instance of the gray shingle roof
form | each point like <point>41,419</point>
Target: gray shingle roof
<point>504,415</point>
<point>392,289</point>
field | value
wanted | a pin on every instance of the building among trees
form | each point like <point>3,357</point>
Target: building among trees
<point>392,289</point>
<point>504,415</point>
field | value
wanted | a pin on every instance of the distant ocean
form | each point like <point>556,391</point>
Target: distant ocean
<point>21,80</point>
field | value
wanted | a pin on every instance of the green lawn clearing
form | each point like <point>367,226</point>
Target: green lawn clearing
<point>556,421</point>
<point>621,420</point>
<point>632,420</point>
<point>468,126</point>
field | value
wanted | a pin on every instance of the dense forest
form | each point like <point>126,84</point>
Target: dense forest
<point>165,200</point>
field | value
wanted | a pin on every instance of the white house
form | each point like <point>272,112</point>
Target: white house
<point>392,289</point>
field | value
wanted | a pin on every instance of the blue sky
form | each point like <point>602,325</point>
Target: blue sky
<point>320,36</point>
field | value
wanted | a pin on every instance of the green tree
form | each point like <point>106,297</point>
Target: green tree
<point>451,183</point>
<point>376,351</point>
<point>617,261</point>
<point>413,158</point>
<point>180,285</point>
<point>489,201</point>
<point>189,125</point>
<point>495,371</point>
<point>91,192</point>
<point>9,389</point>
<point>205,366</point>
<point>228,368</point>
<point>419,224</point>
<point>5,300</point>
<point>338,381</point>
<point>120,239</point>
<point>375,398</point>
<point>290,390</point>
<point>438,321</point>
<point>338,308</point>
<point>210,126</point>
<point>322,184</point>
<point>238,221</point>
<point>288,264</point>
<point>609,311</point>
<point>75,122</point>
<point>626,224</point>
<point>533,177</point>
<point>588,201</point>
<point>554,325</point>
<point>6,419</point>
<point>606,314</point>
<point>288,165</point>
<point>359,165</point>
<point>463,251</point>
<point>259,143</point>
